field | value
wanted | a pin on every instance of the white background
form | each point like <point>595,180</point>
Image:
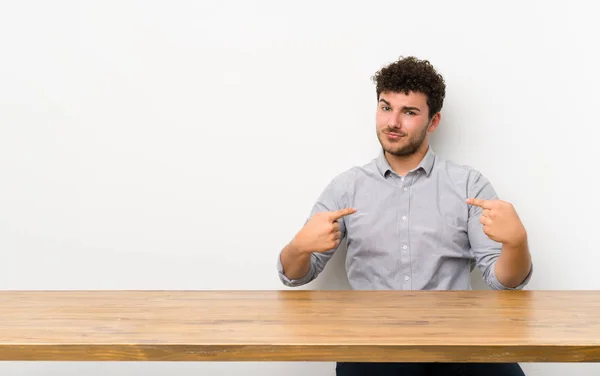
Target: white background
<point>181,144</point>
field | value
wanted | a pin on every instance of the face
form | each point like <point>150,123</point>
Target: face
<point>403,122</point>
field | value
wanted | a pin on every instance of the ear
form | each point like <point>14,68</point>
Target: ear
<point>434,122</point>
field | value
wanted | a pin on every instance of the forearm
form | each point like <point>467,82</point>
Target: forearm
<point>513,265</point>
<point>296,264</point>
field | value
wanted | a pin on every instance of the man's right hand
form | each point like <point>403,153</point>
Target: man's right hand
<point>321,233</point>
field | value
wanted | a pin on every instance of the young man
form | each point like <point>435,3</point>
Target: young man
<point>413,220</point>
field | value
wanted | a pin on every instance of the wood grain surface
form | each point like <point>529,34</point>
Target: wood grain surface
<point>301,325</point>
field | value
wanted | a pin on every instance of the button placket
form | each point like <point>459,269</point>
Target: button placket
<point>405,255</point>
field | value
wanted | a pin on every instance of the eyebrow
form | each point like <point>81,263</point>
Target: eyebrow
<point>405,108</point>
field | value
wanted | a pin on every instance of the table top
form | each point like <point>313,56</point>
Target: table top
<point>301,325</point>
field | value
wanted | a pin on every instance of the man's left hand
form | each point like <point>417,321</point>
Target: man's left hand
<point>500,221</point>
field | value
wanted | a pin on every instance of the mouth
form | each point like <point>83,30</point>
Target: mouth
<point>394,135</point>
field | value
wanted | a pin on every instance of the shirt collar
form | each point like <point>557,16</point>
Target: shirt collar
<point>426,163</point>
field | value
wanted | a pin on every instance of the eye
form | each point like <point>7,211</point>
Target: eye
<point>385,108</point>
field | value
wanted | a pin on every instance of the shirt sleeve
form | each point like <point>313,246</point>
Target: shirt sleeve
<point>485,250</point>
<point>330,199</point>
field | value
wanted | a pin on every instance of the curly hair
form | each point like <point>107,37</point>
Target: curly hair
<point>411,74</point>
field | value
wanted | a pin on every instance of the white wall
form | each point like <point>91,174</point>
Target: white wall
<point>180,145</point>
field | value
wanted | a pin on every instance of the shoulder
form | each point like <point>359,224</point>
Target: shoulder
<point>353,175</point>
<point>344,184</point>
<point>457,172</point>
<point>466,178</point>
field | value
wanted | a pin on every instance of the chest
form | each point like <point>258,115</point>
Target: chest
<point>428,213</point>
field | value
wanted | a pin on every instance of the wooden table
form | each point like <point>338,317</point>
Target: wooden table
<point>300,325</point>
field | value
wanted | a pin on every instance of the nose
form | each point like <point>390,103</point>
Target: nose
<point>394,120</point>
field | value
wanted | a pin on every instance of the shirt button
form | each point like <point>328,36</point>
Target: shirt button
<point>404,218</point>
<point>406,278</point>
<point>405,189</point>
<point>405,247</point>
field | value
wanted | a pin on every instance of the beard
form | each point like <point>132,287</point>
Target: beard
<point>404,146</point>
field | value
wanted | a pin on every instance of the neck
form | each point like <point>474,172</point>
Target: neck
<point>403,164</point>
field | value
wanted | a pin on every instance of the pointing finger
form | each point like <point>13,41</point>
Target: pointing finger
<point>484,204</point>
<point>342,213</point>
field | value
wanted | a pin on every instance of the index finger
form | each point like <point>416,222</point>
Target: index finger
<point>342,213</point>
<point>484,204</point>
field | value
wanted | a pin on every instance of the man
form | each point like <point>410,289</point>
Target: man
<point>413,220</point>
